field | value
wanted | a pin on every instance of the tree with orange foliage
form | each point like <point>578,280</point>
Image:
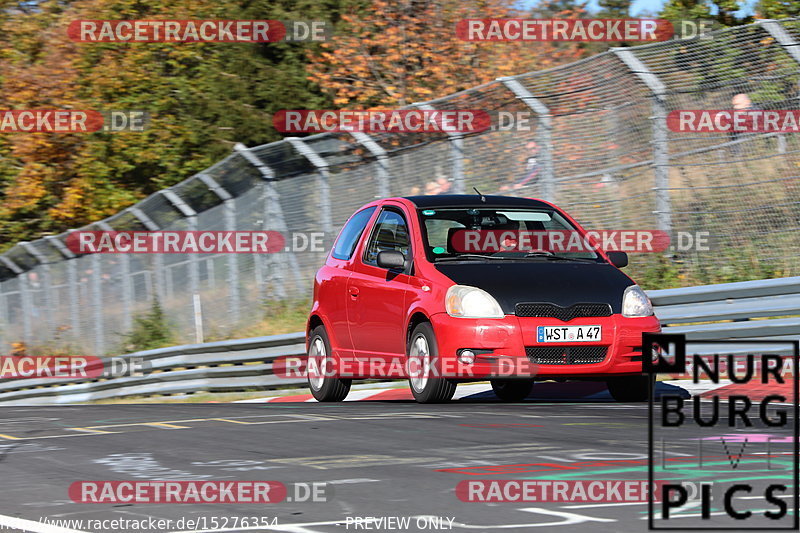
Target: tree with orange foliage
<point>394,53</point>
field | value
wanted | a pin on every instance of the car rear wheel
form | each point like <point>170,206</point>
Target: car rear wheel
<point>631,389</point>
<point>319,367</point>
<point>512,390</point>
<point>423,365</point>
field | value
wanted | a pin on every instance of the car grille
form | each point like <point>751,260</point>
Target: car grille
<point>564,314</point>
<point>566,355</point>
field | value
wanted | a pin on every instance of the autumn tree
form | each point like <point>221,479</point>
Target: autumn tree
<point>614,9</point>
<point>395,53</point>
<point>201,97</point>
<point>778,9</point>
<point>724,12</point>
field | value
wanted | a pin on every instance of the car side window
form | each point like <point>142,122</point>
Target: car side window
<point>390,234</point>
<point>351,233</point>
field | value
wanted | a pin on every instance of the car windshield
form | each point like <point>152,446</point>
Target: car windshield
<point>475,234</point>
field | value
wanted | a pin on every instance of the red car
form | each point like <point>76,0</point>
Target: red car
<point>400,296</point>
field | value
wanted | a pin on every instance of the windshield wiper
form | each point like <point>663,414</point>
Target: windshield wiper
<point>467,257</point>
<point>553,257</point>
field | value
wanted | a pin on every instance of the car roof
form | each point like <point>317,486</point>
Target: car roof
<point>473,200</point>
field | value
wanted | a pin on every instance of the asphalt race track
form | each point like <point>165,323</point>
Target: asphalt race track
<point>379,458</point>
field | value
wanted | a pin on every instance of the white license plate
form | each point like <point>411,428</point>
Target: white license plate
<point>569,333</point>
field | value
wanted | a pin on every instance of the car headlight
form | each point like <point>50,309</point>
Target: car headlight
<point>635,303</point>
<point>464,301</point>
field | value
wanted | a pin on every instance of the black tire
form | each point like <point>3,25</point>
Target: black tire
<point>323,387</point>
<point>427,389</point>
<point>512,390</point>
<point>631,388</point>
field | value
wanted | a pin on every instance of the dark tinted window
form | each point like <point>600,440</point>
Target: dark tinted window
<point>351,232</point>
<point>390,234</point>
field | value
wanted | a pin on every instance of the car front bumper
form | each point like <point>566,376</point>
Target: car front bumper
<point>503,346</point>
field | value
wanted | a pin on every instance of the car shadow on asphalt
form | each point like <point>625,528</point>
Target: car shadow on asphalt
<point>546,391</point>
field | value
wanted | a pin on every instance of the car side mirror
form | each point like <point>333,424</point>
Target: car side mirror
<point>618,259</point>
<point>391,259</point>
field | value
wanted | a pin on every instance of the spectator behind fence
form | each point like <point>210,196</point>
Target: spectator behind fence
<point>739,102</point>
<point>531,173</point>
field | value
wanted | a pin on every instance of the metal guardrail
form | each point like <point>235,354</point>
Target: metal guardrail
<point>747,310</point>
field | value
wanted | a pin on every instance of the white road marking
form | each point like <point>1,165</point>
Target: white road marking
<point>593,505</point>
<point>568,519</point>
<point>352,481</point>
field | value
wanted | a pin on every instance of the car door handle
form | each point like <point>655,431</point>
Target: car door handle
<point>353,291</point>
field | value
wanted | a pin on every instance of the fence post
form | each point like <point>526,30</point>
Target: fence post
<point>191,222</point>
<point>125,283</point>
<point>3,320</point>
<point>158,260</point>
<point>663,211</point>
<point>274,220</point>
<point>97,305</point>
<point>229,213</point>
<point>23,296</point>
<point>381,158</point>
<point>544,134</point>
<point>267,199</point>
<point>783,37</point>
<point>72,283</point>
<point>792,47</point>
<point>324,183</point>
<point>46,283</point>
<point>456,152</point>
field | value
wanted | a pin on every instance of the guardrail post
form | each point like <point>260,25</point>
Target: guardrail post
<point>23,296</point>
<point>380,157</point>
<point>46,283</point>
<point>229,213</point>
<point>456,152</point>
<point>72,283</point>
<point>663,211</point>
<point>544,134</point>
<point>158,259</point>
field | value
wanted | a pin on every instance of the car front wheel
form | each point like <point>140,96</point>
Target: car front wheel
<point>423,368</point>
<point>631,389</point>
<point>512,390</point>
<point>320,369</point>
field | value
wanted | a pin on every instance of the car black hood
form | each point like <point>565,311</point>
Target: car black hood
<point>557,282</point>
